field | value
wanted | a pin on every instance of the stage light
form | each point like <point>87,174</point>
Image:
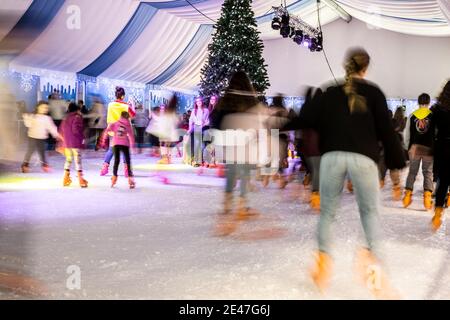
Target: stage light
<point>285,28</point>
<point>313,45</point>
<point>298,37</point>
<point>276,23</point>
<point>319,42</point>
<point>306,41</point>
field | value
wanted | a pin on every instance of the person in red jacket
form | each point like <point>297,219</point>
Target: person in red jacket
<point>71,129</point>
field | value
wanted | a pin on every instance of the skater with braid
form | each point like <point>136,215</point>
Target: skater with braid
<point>351,118</point>
<point>72,129</point>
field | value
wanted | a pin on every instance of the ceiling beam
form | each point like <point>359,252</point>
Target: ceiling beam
<point>341,12</point>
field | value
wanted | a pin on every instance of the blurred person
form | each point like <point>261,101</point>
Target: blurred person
<point>115,110</point>
<point>441,119</point>
<point>8,123</point>
<point>57,111</point>
<point>351,118</point>
<point>278,118</point>
<point>122,140</point>
<point>72,131</point>
<point>311,152</point>
<point>140,122</point>
<point>97,120</point>
<point>168,133</point>
<point>39,125</point>
<point>419,139</point>
<point>234,112</point>
<point>153,125</point>
<point>198,120</point>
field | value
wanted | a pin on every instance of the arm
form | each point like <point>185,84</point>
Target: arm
<point>52,129</point>
<point>206,117</point>
<point>407,133</point>
<point>394,154</point>
<point>191,122</point>
<point>130,134</point>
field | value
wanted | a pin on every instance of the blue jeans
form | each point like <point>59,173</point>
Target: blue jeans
<point>109,154</point>
<point>363,172</point>
<point>234,170</point>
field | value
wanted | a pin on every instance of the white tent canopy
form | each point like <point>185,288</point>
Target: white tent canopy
<point>165,42</point>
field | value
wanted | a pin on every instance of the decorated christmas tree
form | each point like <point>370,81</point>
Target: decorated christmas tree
<point>236,46</point>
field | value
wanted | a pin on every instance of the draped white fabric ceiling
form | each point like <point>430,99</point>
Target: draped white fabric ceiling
<point>165,42</point>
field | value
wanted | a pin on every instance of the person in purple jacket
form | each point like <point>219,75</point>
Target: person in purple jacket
<point>71,129</point>
<point>122,140</point>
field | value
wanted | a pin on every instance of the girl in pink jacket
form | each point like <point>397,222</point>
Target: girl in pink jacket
<point>122,140</point>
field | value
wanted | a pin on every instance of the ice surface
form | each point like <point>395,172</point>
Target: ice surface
<point>156,241</point>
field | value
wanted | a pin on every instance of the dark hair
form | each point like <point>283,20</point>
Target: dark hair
<point>73,107</point>
<point>444,97</point>
<point>172,105</point>
<point>357,60</point>
<point>424,99</point>
<point>125,115</point>
<point>120,92</point>
<point>240,94</point>
<point>278,101</point>
<point>399,119</point>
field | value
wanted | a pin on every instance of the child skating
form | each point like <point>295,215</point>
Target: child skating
<point>71,130</point>
<point>122,140</point>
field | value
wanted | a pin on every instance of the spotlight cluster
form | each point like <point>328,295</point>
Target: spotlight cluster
<point>291,26</point>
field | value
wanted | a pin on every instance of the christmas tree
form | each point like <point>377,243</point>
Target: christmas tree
<point>236,46</point>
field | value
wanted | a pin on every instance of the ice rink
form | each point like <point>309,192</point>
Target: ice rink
<point>157,242</point>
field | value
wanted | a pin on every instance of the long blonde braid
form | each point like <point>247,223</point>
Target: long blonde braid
<point>357,60</point>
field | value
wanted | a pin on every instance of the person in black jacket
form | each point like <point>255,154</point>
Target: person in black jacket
<point>441,119</point>
<point>351,118</point>
<point>419,139</point>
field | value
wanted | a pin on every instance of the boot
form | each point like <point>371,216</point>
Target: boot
<point>321,272</point>
<point>227,223</point>
<point>125,170</point>
<point>46,168</point>
<point>66,180</point>
<point>265,180</point>
<point>437,218</point>
<point>131,182</point>
<point>372,276</point>
<point>228,203</point>
<point>113,181</point>
<point>307,180</point>
<point>105,169</point>
<point>81,180</point>
<point>221,171</point>
<point>427,201</point>
<point>350,186</point>
<point>282,182</point>
<point>315,201</point>
<point>244,212</point>
<point>396,192</point>
<point>407,199</point>
<point>163,160</point>
<point>25,168</point>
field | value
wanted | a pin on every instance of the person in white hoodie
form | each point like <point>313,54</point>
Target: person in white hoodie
<point>39,125</point>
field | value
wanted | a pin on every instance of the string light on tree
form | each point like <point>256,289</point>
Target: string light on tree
<point>236,46</point>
